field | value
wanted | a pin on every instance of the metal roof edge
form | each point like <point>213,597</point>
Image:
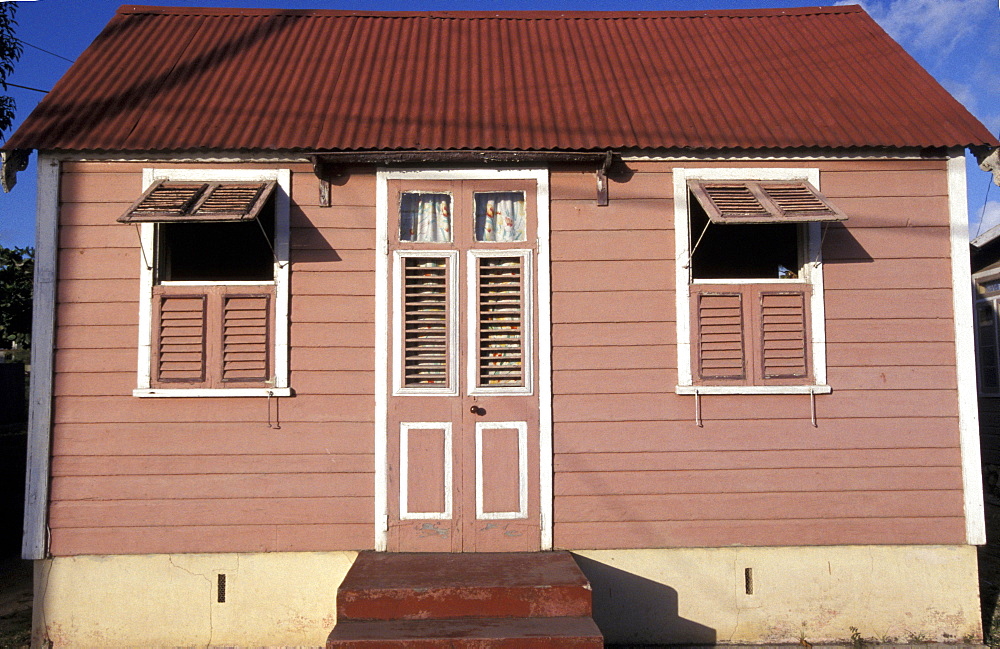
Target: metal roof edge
<point>501,14</point>
<point>986,237</point>
<point>665,153</point>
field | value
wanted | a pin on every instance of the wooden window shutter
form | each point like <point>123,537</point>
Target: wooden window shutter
<point>246,339</point>
<point>752,201</point>
<point>784,352</point>
<point>425,316</point>
<point>501,318</point>
<point>212,336</point>
<point>720,326</point>
<point>180,343</point>
<point>166,202</point>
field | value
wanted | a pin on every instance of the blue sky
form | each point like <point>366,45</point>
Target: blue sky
<point>958,41</point>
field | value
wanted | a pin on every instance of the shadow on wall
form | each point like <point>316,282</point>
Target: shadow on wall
<point>630,608</point>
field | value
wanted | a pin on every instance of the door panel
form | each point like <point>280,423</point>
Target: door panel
<point>462,412</point>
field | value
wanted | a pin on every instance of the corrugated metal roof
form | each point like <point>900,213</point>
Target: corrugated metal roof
<point>173,79</point>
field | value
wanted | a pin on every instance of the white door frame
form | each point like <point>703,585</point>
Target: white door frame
<point>382,340</point>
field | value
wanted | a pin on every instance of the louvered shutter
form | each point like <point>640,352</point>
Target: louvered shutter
<point>245,337</point>
<point>213,336</point>
<point>783,335</point>
<point>167,201</point>
<point>801,202</point>
<point>760,202</point>
<point>501,349</point>
<point>180,343</point>
<point>425,320</point>
<point>720,324</point>
<point>751,334</point>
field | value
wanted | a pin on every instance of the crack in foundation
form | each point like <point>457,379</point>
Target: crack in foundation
<point>211,612</point>
<point>736,602</point>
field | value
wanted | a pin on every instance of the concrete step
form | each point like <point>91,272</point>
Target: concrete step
<point>469,633</point>
<point>410,586</point>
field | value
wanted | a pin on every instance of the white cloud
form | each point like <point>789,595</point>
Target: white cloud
<point>988,217</point>
<point>964,93</point>
<point>928,24</point>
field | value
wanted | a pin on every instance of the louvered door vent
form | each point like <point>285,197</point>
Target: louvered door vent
<point>783,335</point>
<point>501,340</point>
<point>245,339</point>
<point>720,336</point>
<point>425,321</point>
<point>181,339</point>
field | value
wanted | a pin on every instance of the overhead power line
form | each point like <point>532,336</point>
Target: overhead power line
<point>42,49</point>
<point>26,87</point>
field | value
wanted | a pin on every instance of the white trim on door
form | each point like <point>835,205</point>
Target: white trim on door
<point>382,334</point>
<point>404,470</point>
<point>522,469</point>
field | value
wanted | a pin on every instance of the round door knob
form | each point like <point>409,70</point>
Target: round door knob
<point>476,410</point>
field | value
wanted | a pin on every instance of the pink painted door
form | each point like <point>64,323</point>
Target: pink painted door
<point>462,396</point>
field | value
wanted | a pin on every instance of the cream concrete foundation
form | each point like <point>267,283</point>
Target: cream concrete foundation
<point>817,594</point>
<point>273,599</point>
<point>674,596</point>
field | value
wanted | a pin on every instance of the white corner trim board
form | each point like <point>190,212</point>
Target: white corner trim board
<point>965,351</point>
<point>34,544</point>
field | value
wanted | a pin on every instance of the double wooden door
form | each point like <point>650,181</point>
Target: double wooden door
<point>462,399</point>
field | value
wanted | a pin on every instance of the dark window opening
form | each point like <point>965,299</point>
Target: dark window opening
<point>742,251</point>
<point>217,252</point>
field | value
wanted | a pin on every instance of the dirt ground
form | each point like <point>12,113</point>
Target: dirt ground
<point>15,603</point>
<point>989,573</point>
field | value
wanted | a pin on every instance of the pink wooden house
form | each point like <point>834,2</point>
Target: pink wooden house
<point>684,293</point>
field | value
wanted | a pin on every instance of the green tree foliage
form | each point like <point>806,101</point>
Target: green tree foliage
<point>10,51</point>
<point>17,265</point>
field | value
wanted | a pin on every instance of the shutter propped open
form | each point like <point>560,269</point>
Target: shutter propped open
<point>167,202</point>
<point>752,201</point>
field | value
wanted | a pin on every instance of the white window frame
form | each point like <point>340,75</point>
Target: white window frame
<point>812,271</point>
<point>992,299</point>
<point>281,277</point>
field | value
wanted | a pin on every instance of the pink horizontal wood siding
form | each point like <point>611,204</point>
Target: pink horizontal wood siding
<point>135,475</point>
<point>633,469</point>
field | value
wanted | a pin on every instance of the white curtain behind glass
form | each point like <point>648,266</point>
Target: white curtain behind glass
<point>500,216</point>
<point>425,217</point>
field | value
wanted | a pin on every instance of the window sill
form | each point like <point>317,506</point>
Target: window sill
<point>212,392</point>
<point>753,389</point>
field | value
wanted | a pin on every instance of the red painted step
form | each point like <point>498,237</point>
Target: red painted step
<point>391,586</point>
<point>469,633</point>
<point>469,601</point>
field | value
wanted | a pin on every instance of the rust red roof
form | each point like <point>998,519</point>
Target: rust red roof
<point>172,79</point>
